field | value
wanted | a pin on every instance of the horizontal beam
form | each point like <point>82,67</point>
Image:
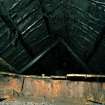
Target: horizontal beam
<point>85,76</point>
<point>65,77</point>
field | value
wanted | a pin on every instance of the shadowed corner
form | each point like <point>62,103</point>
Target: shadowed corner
<point>2,99</point>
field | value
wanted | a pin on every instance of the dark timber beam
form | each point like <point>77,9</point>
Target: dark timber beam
<point>38,57</point>
<point>4,66</point>
<point>14,30</point>
<point>78,59</point>
<point>97,44</point>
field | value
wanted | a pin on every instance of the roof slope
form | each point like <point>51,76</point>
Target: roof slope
<point>30,28</point>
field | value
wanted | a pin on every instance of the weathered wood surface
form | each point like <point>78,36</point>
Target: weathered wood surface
<point>54,91</point>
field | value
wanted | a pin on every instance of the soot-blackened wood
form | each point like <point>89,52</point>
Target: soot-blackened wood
<point>14,30</point>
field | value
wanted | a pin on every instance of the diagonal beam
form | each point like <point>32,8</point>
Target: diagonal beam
<point>39,57</point>
<point>79,60</point>
<point>4,66</point>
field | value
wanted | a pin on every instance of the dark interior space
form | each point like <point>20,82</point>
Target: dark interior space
<point>58,61</point>
<point>29,30</point>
